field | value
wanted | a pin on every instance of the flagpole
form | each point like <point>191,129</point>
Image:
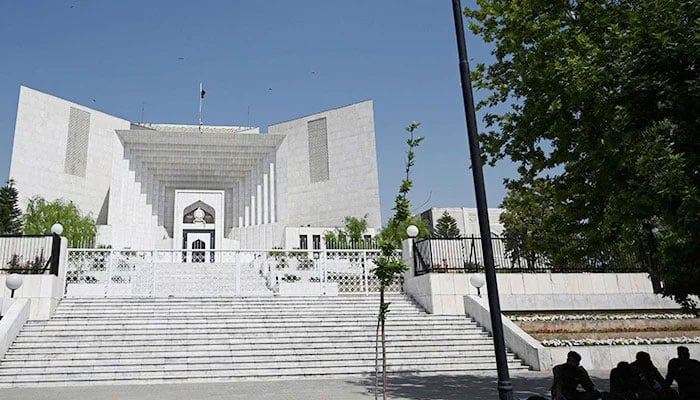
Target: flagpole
<point>201,98</point>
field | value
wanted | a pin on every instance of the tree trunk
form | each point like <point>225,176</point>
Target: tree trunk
<point>376,358</point>
<point>384,380</point>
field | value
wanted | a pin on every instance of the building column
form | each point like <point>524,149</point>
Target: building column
<point>259,208</point>
<point>265,200</point>
<point>252,210</point>
<point>246,218</point>
<point>272,193</point>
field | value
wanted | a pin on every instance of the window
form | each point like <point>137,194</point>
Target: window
<point>318,150</point>
<point>317,242</point>
<point>303,242</point>
<point>77,145</point>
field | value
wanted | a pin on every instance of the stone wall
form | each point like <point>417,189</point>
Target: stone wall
<point>352,187</point>
<point>40,145</point>
<point>442,293</point>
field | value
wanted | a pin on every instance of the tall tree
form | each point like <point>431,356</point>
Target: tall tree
<point>446,227</point>
<point>41,215</point>
<point>603,118</point>
<point>390,266</point>
<point>10,214</point>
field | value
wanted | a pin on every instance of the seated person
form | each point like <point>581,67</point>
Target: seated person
<point>686,372</point>
<point>624,382</point>
<point>651,379</point>
<point>568,377</point>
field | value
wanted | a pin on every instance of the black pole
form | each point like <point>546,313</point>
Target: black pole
<point>505,389</point>
<point>55,254</point>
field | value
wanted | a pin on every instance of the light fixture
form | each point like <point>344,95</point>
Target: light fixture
<point>13,282</point>
<point>478,281</point>
<point>57,229</point>
<point>412,231</point>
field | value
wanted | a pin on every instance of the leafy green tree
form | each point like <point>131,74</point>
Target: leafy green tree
<point>351,236</point>
<point>10,214</point>
<point>41,215</point>
<point>602,116</point>
<point>446,227</point>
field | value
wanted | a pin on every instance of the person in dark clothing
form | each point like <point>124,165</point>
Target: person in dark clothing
<point>686,372</point>
<point>625,383</point>
<point>567,379</point>
<point>651,380</point>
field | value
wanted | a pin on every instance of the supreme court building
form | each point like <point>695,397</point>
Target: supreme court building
<point>173,186</point>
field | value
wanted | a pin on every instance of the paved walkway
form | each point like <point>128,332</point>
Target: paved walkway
<point>416,387</point>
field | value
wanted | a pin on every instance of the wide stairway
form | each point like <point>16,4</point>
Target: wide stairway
<point>152,340</point>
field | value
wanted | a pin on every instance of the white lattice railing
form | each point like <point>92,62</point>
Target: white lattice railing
<point>162,273</point>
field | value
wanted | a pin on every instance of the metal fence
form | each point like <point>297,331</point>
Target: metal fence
<point>463,255</point>
<point>362,244</point>
<point>25,254</point>
<point>162,273</point>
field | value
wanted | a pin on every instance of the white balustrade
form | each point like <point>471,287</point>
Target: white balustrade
<point>163,273</point>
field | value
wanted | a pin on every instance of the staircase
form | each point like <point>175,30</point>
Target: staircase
<point>154,340</point>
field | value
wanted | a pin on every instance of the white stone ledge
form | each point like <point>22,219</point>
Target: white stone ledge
<point>592,301</point>
<point>518,341</point>
<point>11,323</point>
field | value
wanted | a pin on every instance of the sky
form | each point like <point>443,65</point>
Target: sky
<point>261,62</point>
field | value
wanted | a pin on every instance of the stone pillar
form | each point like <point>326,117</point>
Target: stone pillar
<point>246,218</point>
<point>259,219</point>
<point>252,210</point>
<point>265,200</point>
<point>272,193</point>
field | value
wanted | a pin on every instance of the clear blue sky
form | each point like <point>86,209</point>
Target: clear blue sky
<point>278,59</point>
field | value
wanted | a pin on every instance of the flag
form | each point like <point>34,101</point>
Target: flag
<point>201,91</point>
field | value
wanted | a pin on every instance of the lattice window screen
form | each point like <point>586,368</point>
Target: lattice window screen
<point>77,145</point>
<point>318,150</point>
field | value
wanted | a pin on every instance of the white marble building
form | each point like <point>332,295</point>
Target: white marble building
<point>168,186</point>
<point>467,219</point>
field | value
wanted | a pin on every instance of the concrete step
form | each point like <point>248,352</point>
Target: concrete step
<point>251,357</point>
<point>243,326</point>
<point>51,356</point>
<point>40,349</point>
<point>107,378</point>
<point>281,338</point>
<point>229,365</point>
<point>262,319</point>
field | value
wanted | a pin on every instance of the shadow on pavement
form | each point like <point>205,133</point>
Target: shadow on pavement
<point>477,386</point>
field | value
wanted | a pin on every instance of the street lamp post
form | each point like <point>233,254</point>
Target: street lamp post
<point>56,231</point>
<point>505,389</point>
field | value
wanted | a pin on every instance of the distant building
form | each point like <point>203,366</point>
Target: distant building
<point>170,186</point>
<point>467,220</point>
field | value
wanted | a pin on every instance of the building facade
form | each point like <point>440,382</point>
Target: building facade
<point>467,220</point>
<point>170,186</point>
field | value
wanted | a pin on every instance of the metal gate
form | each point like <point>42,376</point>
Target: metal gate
<point>164,273</point>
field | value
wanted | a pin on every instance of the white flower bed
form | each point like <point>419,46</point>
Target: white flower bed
<point>597,317</point>
<point>619,341</point>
